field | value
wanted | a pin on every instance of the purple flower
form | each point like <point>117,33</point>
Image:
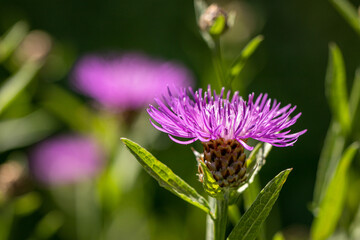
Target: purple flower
<point>66,159</point>
<point>129,81</point>
<point>206,116</point>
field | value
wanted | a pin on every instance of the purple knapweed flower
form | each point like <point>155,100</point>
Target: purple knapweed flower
<point>66,159</point>
<point>224,124</point>
<point>128,81</point>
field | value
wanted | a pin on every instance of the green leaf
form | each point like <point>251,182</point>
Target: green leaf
<point>335,86</point>
<point>166,177</point>
<point>12,39</point>
<point>332,204</point>
<point>210,185</point>
<point>250,223</point>
<point>348,11</point>
<point>16,83</point>
<point>245,54</point>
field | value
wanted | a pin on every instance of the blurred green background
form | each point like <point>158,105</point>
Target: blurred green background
<point>290,65</point>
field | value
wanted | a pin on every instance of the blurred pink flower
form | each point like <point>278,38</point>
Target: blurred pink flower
<point>65,159</point>
<point>129,81</point>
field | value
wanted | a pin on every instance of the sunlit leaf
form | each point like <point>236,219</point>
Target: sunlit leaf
<point>335,86</point>
<point>166,177</point>
<point>348,11</point>
<point>241,60</point>
<point>210,185</point>
<point>16,83</point>
<point>332,204</point>
<point>250,223</point>
<point>12,39</point>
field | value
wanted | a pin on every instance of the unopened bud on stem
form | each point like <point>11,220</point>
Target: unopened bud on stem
<point>214,20</point>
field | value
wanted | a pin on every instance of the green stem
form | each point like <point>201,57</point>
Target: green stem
<point>218,63</point>
<point>210,220</point>
<point>221,217</point>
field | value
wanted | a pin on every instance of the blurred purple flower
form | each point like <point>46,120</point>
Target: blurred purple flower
<point>129,81</point>
<point>206,116</point>
<point>66,159</point>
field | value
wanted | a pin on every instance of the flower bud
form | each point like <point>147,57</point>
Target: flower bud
<point>214,20</point>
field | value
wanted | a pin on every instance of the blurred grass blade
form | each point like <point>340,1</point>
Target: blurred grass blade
<point>335,87</point>
<point>68,108</point>
<point>332,204</point>
<point>330,156</point>
<point>24,131</point>
<point>49,225</point>
<point>16,83</point>
<point>166,177</point>
<point>27,204</point>
<point>250,223</point>
<point>348,11</point>
<point>12,39</point>
<point>355,96</point>
<point>246,53</point>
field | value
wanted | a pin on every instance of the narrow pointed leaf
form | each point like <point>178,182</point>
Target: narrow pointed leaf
<point>348,11</point>
<point>335,86</point>
<point>332,204</point>
<point>246,53</point>
<point>166,177</point>
<point>250,223</point>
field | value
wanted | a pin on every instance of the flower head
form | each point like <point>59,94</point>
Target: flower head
<point>66,159</point>
<point>128,81</point>
<point>208,116</point>
<point>223,124</point>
